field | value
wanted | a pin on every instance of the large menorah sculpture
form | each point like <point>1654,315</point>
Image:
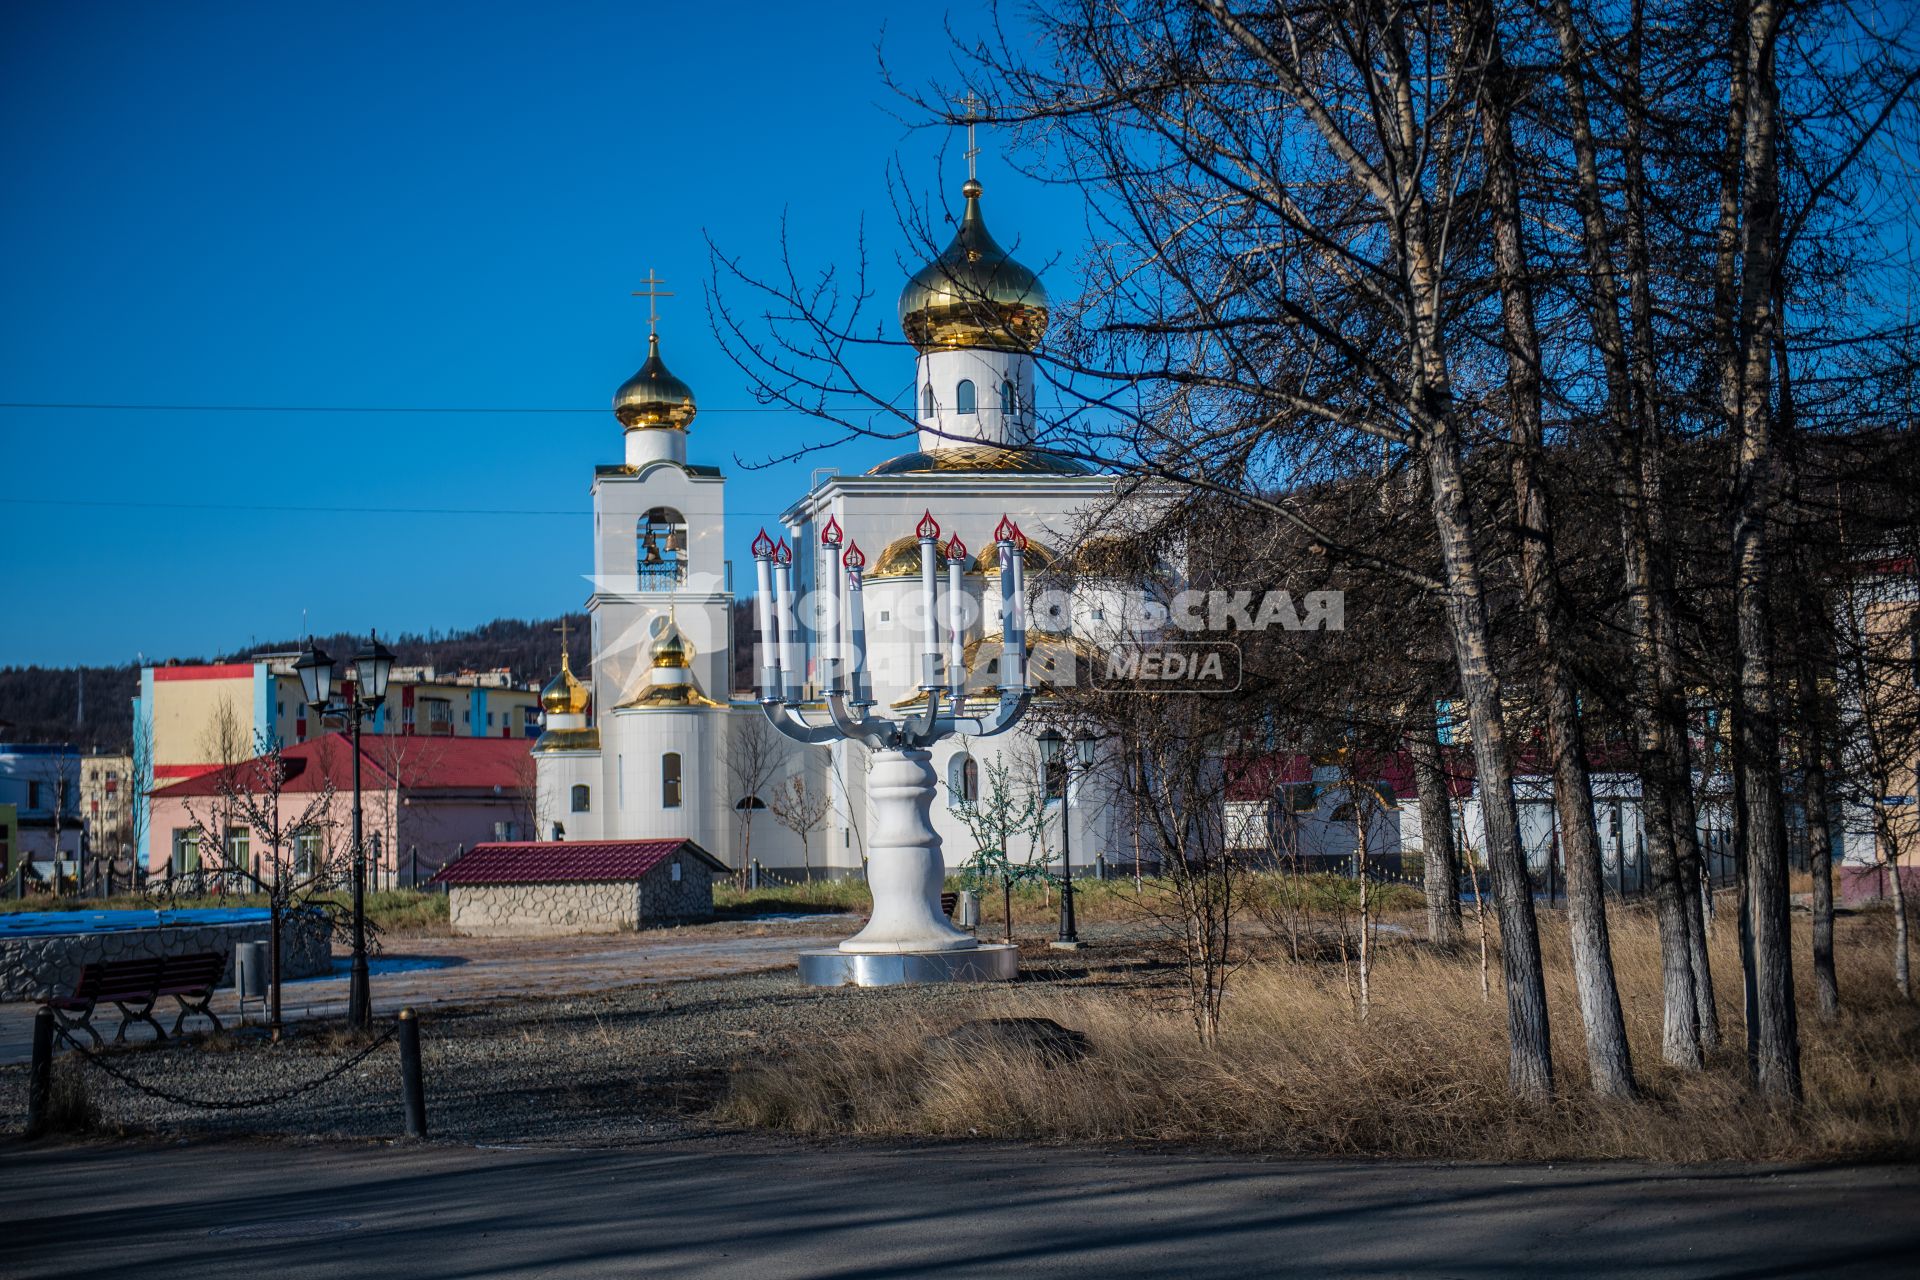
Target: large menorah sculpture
<point>909,938</point>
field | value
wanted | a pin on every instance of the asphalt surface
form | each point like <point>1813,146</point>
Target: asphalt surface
<point>728,1206</point>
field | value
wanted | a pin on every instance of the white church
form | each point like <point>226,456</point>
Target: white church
<point>653,741</point>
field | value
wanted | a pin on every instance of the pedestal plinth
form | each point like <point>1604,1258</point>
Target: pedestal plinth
<point>909,939</point>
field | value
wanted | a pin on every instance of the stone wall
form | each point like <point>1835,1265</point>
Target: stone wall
<point>530,910</point>
<point>536,910</point>
<point>35,967</point>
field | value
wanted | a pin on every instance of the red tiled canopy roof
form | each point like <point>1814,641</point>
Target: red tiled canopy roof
<point>566,861</point>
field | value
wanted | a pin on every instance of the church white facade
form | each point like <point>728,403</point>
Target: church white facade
<point>655,742</point>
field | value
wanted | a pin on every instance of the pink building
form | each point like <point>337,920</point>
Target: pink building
<point>423,800</point>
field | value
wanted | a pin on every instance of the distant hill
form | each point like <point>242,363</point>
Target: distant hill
<point>45,704</point>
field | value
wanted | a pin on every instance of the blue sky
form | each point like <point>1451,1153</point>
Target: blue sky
<point>427,206</point>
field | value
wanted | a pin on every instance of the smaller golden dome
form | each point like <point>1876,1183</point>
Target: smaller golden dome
<point>672,648</point>
<point>988,561</point>
<point>974,294</point>
<point>564,695</point>
<point>653,397</point>
<point>900,559</point>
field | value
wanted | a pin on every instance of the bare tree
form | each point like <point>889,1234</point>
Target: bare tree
<point>285,841</point>
<point>1007,806</point>
<point>753,756</point>
<point>802,809</point>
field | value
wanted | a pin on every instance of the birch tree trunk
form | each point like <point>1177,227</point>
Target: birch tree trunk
<point>1439,855</point>
<point>1774,1035</point>
<point>1680,1042</point>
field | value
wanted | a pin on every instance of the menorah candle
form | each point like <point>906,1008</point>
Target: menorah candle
<point>857,683</point>
<point>1013,650</point>
<point>827,577</point>
<point>785,654</point>
<point>956,618</point>
<point>929,532</point>
<point>763,615</point>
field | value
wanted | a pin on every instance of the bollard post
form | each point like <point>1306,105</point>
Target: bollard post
<point>40,1074</point>
<point>413,1096</point>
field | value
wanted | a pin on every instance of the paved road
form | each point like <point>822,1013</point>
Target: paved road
<point>423,972</point>
<point>737,1207</point>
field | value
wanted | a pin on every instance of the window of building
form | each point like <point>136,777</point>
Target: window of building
<point>1006,397</point>
<point>676,872</point>
<point>503,831</point>
<point>963,780</point>
<point>489,719</point>
<point>750,802</point>
<point>963,397</point>
<point>186,850</point>
<point>582,798</point>
<point>307,854</point>
<point>670,780</point>
<point>240,848</point>
<point>926,401</point>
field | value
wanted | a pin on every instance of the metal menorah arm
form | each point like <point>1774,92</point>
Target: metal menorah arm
<point>1005,714</point>
<point>853,722</point>
<point>795,726</point>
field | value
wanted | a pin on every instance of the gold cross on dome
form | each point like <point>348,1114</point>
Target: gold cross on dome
<point>562,629</point>
<point>652,293</point>
<point>972,103</point>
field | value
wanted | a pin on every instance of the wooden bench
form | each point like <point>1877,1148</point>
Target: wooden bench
<point>135,986</point>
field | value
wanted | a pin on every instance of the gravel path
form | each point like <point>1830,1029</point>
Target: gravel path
<point>632,1065</point>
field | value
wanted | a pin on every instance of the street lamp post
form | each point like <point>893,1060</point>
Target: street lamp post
<point>371,667</point>
<point>1052,752</point>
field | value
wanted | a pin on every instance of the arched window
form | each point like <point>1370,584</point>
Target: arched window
<point>926,401</point>
<point>963,399</point>
<point>582,798</point>
<point>750,802</point>
<point>1006,397</point>
<point>963,780</point>
<point>670,780</point>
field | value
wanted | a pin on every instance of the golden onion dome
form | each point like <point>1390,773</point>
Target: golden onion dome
<point>564,695</point>
<point>653,397</point>
<point>672,648</point>
<point>974,294</point>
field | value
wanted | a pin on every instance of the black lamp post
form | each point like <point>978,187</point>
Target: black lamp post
<point>1052,752</point>
<point>370,669</point>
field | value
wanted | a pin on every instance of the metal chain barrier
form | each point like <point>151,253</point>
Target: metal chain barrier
<point>217,1104</point>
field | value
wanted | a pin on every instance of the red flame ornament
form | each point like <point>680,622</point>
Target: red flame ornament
<point>855,559</point>
<point>928,527</point>
<point>782,553</point>
<point>1005,531</point>
<point>762,546</point>
<point>956,550</point>
<point>831,535</point>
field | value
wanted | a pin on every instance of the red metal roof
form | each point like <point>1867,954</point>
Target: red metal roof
<point>386,761</point>
<point>566,861</point>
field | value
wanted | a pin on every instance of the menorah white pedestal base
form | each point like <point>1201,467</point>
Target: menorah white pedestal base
<point>909,939</point>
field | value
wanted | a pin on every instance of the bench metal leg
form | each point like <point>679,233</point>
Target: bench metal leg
<point>189,1007</point>
<point>70,1023</point>
<point>143,1014</point>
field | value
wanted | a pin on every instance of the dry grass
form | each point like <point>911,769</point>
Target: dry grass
<point>1423,1075</point>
